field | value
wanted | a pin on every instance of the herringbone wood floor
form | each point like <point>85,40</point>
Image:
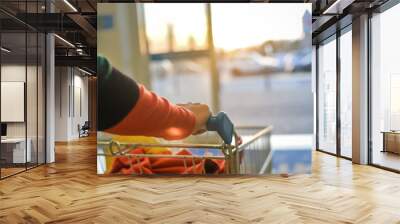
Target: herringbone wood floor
<point>69,191</point>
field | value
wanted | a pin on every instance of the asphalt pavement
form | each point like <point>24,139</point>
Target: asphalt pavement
<point>284,100</point>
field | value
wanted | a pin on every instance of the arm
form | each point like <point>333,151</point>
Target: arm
<point>128,108</point>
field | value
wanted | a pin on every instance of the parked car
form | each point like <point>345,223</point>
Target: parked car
<point>252,64</point>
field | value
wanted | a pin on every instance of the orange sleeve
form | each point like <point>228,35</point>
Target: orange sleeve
<point>157,117</point>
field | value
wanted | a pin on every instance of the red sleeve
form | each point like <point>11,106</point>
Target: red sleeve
<point>155,116</point>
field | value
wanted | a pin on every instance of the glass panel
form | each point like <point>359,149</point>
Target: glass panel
<point>9,24</point>
<point>13,86</point>
<point>22,67</point>
<point>385,89</point>
<point>32,88</point>
<point>31,97</point>
<point>327,96</point>
<point>41,99</point>
<point>314,90</point>
<point>346,94</point>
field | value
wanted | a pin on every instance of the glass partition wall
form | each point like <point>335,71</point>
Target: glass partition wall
<point>334,80</point>
<point>346,92</point>
<point>13,90</point>
<point>327,95</point>
<point>385,89</point>
<point>22,99</point>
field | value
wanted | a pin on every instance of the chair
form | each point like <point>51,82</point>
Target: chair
<point>84,130</point>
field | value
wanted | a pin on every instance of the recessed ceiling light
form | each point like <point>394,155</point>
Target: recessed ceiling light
<point>70,5</point>
<point>64,40</point>
<point>5,50</point>
<point>86,72</point>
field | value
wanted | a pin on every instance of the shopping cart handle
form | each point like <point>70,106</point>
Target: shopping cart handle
<point>222,125</point>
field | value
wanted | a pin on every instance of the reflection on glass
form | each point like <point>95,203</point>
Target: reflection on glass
<point>15,151</point>
<point>31,101</point>
<point>41,99</point>
<point>346,94</point>
<point>327,96</point>
<point>385,89</point>
<point>22,90</point>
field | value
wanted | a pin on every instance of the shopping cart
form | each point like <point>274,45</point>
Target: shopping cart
<point>253,156</point>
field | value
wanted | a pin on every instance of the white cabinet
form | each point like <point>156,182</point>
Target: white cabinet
<point>17,147</point>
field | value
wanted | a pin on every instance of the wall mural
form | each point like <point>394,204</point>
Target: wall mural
<point>195,89</point>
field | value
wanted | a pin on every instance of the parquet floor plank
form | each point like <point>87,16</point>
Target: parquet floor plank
<point>70,191</point>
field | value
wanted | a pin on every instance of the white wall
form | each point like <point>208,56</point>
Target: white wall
<point>71,87</point>
<point>12,73</point>
<point>61,103</point>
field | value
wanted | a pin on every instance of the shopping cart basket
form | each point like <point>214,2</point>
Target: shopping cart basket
<point>251,157</point>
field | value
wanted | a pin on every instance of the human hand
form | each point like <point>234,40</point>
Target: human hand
<point>202,113</point>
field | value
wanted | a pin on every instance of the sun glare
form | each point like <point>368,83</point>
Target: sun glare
<point>234,25</point>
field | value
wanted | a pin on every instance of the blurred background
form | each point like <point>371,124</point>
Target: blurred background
<point>244,59</point>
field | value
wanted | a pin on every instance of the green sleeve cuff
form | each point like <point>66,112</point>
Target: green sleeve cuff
<point>104,67</point>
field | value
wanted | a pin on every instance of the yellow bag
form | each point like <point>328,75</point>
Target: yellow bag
<point>141,139</point>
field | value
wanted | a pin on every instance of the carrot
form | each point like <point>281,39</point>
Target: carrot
<point>197,169</point>
<point>137,168</point>
<point>171,162</point>
<point>147,165</point>
<point>119,163</point>
<point>170,170</point>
